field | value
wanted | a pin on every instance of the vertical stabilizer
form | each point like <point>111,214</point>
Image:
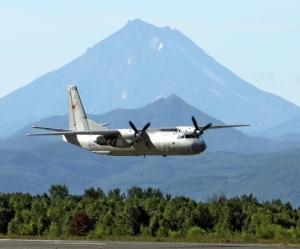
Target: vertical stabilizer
<point>77,116</point>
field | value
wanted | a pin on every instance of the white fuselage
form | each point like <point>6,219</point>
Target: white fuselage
<point>154,142</point>
<point>164,141</point>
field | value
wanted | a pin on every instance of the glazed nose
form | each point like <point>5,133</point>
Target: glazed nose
<point>198,146</point>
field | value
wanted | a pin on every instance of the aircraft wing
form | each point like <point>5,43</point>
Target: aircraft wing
<point>58,131</point>
<point>222,126</point>
<point>71,132</point>
<point>199,127</point>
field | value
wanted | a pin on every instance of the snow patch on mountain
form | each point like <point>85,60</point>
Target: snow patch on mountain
<point>216,92</point>
<point>213,76</point>
<point>124,94</point>
<point>154,41</point>
<point>239,95</point>
<point>158,97</point>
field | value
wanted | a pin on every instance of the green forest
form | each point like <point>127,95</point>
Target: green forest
<point>148,214</point>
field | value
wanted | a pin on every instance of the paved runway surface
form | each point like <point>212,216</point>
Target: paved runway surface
<point>62,244</point>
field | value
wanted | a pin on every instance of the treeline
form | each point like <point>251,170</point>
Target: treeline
<point>146,213</point>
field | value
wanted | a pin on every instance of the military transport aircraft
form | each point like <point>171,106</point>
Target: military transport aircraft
<point>164,141</point>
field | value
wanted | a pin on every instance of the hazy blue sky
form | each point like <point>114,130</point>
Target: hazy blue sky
<point>257,40</point>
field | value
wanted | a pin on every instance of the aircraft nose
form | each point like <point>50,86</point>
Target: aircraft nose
<point>198,146</point>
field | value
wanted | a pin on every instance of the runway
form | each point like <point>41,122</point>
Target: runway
<point>63,244</point>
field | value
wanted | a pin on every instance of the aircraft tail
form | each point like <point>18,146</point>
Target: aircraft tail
<point>76,113</point>
<point>77,116</point>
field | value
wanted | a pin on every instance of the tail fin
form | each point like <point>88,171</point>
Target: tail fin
<point>77,116</point>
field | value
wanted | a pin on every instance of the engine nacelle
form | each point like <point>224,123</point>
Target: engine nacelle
<point>128,135</point>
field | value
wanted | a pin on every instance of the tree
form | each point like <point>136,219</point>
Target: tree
<point>80,224</point>
<point>135,216</point>
<point>135,192</point>
<point>39,217</point>
<point>116,194</point>
<point>93,194</point>
<point>58,190</point>
<point>6,213</point>
<point>236,217</point>
<point>201,217</point>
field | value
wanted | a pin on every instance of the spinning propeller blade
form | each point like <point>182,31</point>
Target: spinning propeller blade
<point>137,133</point>
<point>146,126</point>
<point>197,131</point>
<point>133,127</point>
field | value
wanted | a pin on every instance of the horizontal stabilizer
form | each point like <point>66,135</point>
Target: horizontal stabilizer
<point>94,126</point>
<point>49,129</point>
<point>94,132</point>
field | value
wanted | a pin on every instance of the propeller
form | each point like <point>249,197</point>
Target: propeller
<point>197,131</point>
<point>138,134</point>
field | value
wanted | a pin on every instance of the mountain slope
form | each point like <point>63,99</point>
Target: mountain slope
<point>137,65</point>
<point>267,176</point>
<point>276,178</point>
<point>36,169</point>
<point>292,126</point>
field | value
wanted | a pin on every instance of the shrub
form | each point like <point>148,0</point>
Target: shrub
<point>175,234</point>
<point>98,233</point>
<point>196,232</point>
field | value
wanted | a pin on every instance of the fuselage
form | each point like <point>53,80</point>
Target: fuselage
<point>154,142</point>
<point>165,141</point>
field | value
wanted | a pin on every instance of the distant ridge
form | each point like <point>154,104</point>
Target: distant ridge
<point>292,126</point>
<point>136,65</point>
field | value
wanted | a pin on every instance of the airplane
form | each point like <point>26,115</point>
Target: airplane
<point>164,141</point>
